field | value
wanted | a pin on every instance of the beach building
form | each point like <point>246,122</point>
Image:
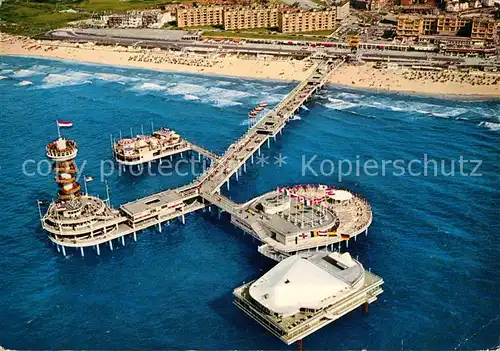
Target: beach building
<point>478,27</point>
<point>307,21</point>
<point>449,25</point>
<point>200,16</point>
<point>251,17</point>
<point>286,19</point>
<point>485,28</point>
<point>300,295</point>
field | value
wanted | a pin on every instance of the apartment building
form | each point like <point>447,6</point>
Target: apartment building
<point>484,28</point>
<point>448,25</point>
<point>200,16</point>
<point>409,26</point>
<point>307,21</point>
<point>251,17</point>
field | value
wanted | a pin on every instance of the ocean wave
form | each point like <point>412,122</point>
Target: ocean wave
<point>186,89</point>
<point>223,83</point>
<point>495,127</point>
<point>148,86</point>
<point>24,82</point>
<point>345,95</point>
<point>3,77</point>
<point>6,71</point>
<point>115,78</point>
<point>338,104</point>
<point>25,73</point>
<point>223,102</point>
<point>216,96</point>
<point>69,78</point>
<point>342,101</point>
<point>295,118</point>
<point>270,98</point>
<point>191,97</point>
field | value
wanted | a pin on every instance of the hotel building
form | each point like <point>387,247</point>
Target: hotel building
<point>288,20</point>
<point>251,17</point>
<point>446,25</point>
<point>200,16</point>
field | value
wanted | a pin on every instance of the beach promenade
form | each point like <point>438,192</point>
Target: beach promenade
<point>365,76</point>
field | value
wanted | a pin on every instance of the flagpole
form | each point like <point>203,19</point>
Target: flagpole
<point>85,184</point>
<point>58,130</point>
<point>120,134</point>
<point>39,209</point>
<point>107,194</point>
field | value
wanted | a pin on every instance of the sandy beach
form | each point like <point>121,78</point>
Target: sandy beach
<point>240,66</point>
<point>442,83</point>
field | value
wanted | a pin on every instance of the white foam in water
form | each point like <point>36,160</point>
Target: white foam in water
<point>348,96</point>
<point>186,89</point>
<point>115,78</point>
<point>25,73</point>
<point>224,102</point>
<point>24,82</point>
<point>394,105</point>
<point>147,86</point>
<point>6,71</point>
<point>191,97</point>
<point>295,118</point>
<point>337,104</point>
<point>490,125</point>
<point>69,78</point>
<point>3,77</point>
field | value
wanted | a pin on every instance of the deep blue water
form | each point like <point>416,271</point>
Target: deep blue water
<point>434,238</point>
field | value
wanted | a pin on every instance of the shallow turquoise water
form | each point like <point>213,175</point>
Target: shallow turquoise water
<point>433,240</point>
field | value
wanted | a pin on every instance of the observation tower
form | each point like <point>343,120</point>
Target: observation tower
<point>63,152</point>
<point>75,219</point>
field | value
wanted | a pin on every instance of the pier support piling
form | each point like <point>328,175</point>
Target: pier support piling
<point>111,245</point>
<point>268,143</point>
<point>366,232</point>
<point>135,236</point>
<point>159,227</point>
<point>237,171</point>
<point>244,167</point>
<point>366,307</point>
<point>58,249</point>
<point>81,251</point>
<point>123,240</point>
<point>251,158</point>
<point>63,250</point>
<point>183,219</point>
<point>347,244</point>
<point>98,250</point>
<point>227,183</point>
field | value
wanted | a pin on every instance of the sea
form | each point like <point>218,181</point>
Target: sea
<point>429,167</point>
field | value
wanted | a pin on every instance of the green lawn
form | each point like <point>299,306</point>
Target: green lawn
<point>118,5</point>
<point>34,18</point>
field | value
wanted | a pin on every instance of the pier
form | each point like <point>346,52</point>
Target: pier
<point>89,221</point>
<point>302,227</point>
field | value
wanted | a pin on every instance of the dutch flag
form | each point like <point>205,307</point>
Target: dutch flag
<point>64,124</point>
